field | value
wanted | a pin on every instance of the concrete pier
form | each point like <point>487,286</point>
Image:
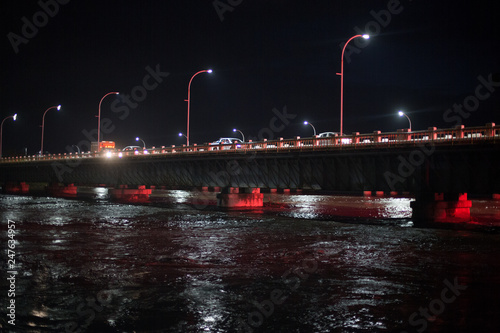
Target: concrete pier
<point>441,208</point>
<point>130,195</point>
<point>235,197</point>
<point>16,188</point>
<point>61,190</point>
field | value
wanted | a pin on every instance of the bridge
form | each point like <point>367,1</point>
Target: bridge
<point>438,167</point>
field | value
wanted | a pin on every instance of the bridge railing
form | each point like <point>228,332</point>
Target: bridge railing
<point>457,135</point>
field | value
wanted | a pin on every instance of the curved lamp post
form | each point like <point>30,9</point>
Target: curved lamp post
<point>99,119</point>
<point>308,123</point>
<point>342,81</point>
<point>43,124</point>
<point>180,134</point>
<point>242,135</point>
<point>188,100</point>
<point>143,143</point>
<point>77,148</point>
<point>401,113</point>
<point>14,117</point>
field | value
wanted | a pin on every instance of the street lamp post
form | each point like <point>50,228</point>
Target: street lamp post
<point>43,124</point>
<point>342,81</point>
<point>77,148</point>
<point>99,119</point>
<point>184,135</point>
<point>14,117</point>
<point>143,143</point>
<point>242,135</point>
<point>308,123</point>
<point>188,100</point>
<point>401,113</point>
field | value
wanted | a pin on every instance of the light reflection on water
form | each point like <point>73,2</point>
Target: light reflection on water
<point>172,268</point>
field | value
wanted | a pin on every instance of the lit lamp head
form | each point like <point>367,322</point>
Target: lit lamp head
<point>137,139</point>
<point>366,36</point>
<point>209,71</point>
<point>15,117</point>
<point>401,113</point>
<point>305,123</point>
<point>180,134</point>
<point>58,107</point>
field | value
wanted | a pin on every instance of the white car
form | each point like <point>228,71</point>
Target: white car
<point>130,148</point>
<point>227,141</point>
<point>327,134</point>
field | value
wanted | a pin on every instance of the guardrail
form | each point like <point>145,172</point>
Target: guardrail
<point>457,135</point>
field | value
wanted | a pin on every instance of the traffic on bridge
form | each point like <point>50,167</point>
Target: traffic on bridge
<point>455,136</point>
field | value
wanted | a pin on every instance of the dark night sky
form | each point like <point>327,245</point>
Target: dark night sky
<point>265,54</point>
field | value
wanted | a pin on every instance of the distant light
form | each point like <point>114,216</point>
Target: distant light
<point>366,36</point>
<point>401,113</point>
<point>15,117</point>
<point>58,107</point>
<point>305,123</point>
<point>108,154</point>
<point>209,71</point>
<point>120,154</point>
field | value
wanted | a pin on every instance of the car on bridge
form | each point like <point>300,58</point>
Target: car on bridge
<point>325,135</point>
<point>226,142</point>
<point>328,134</point>
<point>135,149</point>
<point>131,148</point>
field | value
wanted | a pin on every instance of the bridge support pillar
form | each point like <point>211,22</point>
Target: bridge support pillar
<point>441,208</point>
<point>16,188</point>
<point>130,195</point>
<point>64,191</point>
<point>234,197</point>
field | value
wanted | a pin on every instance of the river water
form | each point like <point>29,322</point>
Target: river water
<point>303,263</point>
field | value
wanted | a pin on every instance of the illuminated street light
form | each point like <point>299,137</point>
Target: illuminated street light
<point>43,124</point>
<point>401,113</point>
<point>342,81</point>
<point>14,117</point>
<point>237,130</point>
<point>308,123</point>
<point>188,100</point>
<point>99,119</point>
<point>180,134</point>
<point>143,143</point>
